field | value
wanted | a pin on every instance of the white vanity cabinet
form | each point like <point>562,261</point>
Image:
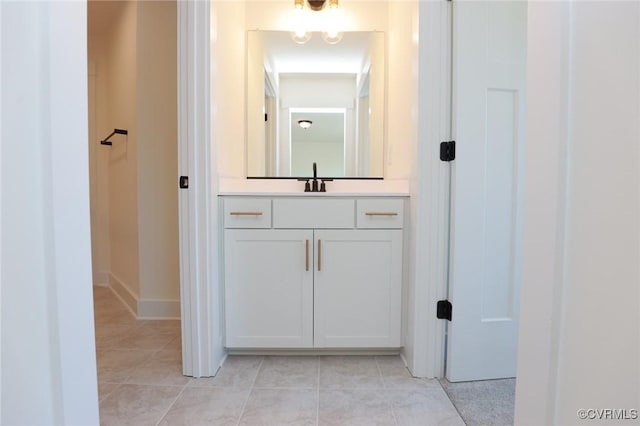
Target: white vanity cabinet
<point>317,272</point>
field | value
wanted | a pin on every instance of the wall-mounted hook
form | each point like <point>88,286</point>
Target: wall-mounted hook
<point>106,140</point>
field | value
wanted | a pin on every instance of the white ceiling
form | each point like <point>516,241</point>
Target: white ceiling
<point>327,127</point>
<point>317,56</point>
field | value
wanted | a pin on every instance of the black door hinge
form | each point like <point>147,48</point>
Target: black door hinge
<point>444,310</point>
<point>448,151</point>
<point>266,117</point>
<point>184,182</point>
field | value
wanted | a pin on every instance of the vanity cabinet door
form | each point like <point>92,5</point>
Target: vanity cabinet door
<point>357,290</point>
<point>269,288</point>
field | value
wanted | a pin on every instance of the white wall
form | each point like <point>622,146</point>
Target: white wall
<point>580,325</point>
<point>48,355</point>
<point>402,85</point>
<point>228,99</point>
<point>116,76</point>
<point>315,91</point>
<point>327,155</point>
<point>376,104</point>
<point>98,166</point>
<point>256,126</point>
<point>157,174</point>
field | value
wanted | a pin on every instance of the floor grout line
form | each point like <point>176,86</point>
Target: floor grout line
<point>318,396</point>
<point>171,405</point>
<point>244,406</point>
<point>384,387</point>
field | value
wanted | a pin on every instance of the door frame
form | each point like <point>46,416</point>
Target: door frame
<point>200,288</point>
<point>430,184</point>
<point>200,269</point>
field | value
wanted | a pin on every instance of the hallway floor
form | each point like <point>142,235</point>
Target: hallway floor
<point>141,383</point>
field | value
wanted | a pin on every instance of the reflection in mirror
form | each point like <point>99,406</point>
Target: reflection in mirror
<point>339,88</point>
<point>317,136</point>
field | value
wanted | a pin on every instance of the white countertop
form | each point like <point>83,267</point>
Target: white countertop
<point>336,188</point>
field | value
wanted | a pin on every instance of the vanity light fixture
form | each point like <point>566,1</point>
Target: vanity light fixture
<point>316,5</point>
<point>301,36</point>
<point>332,37</point>
<point>305,124</point>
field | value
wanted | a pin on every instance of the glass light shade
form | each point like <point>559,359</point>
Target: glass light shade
<point>305,124</point>
<point>332,37</point>
<point>301,36</point>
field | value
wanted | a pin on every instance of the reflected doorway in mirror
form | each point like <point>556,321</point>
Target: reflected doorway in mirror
<point>349,75</point>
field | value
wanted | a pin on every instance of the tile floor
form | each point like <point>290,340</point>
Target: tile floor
<point>140,383</point>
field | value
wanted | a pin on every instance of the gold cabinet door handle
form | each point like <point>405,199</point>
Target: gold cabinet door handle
<point>245,213</point>
<point>319,255</point>
<point>381,214</point>
<point>306,255</point>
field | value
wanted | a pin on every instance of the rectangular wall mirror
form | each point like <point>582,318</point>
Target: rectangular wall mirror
<point>315,102</point>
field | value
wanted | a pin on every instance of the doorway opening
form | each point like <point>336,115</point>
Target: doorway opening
<point>132,58</point>
<point>317,135</point>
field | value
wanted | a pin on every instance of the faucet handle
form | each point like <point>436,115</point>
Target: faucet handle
<point>307,185</point>
<point>323,186</point>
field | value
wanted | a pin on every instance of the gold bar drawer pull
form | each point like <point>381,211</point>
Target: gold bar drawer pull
<point>306,255</point>
<point>381,214</point>
<point>245,213</point>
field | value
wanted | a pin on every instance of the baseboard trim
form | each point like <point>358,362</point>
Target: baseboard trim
<point>122,292</point>
<point>101,279</point>
<point>150,309</point>
<point>314,351</point>
<point>144,309</point>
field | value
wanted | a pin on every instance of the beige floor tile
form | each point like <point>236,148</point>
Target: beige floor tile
<point>426,407</point>
<point>349,372</point>
<point>147,337</point>
<point>237,372</point>
<point>108,336</point>
<point>355,407</point>
<point>115,366</point>
<point>395,375</point>
<point>105,389</point>
<point>114,317</point>
<point>137,405</point>
<point>288,372</point>
<point>163,368</point>
<point>175,344</point>
<point>280,407</point>
<point>389,361</point>
<point>211,407</point>
<point>161,323</point>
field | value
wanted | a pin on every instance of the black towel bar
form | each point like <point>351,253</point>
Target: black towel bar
<point>106,141</point>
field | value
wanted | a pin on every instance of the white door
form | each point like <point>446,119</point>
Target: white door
<point>269,288</point>
<point>357,288</point>
<point>489,48</point>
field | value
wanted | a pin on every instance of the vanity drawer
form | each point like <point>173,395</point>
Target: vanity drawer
<point>313,213</point>
<point>380,213</point>
<point>247,213</point>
